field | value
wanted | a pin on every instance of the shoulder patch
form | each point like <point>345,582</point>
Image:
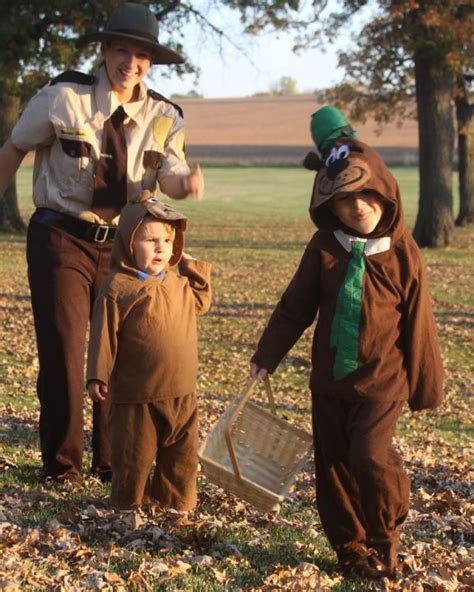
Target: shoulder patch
<point>154,95</point>
<point>74,76</point>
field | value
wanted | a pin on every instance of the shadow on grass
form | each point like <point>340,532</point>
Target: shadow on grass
<point>25,474</point>
<point>240,311</point>
<point>15,297</point>
<point>17,239</point>
<point>459,318</point>
<point>18,430</point>
<point>245,243</point>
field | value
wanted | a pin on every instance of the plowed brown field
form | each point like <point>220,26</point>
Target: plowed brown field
<point>281,121</point>
<point>275,130</point>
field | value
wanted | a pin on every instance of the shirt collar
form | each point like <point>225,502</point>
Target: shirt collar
<point>143,275</point>
<point>372,247</point>
<point>107,101</point>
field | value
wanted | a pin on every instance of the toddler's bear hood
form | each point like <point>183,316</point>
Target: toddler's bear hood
<point>130,219</point>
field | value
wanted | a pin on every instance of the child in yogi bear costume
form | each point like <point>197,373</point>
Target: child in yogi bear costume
<point>375,345</point>
<point>143,355</point>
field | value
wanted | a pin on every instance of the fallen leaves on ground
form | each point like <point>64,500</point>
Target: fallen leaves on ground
<point>67,538</point>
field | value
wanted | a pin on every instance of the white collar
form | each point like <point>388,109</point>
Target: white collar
<point>107,100</point>
<point>373,245</point>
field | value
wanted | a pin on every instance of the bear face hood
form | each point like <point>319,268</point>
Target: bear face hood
<point>349,166</point>
<point>131,217</point>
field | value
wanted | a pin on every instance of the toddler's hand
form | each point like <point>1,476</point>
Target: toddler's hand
<point>257,371</point>
<point>97,390</point>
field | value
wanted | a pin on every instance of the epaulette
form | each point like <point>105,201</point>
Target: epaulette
<point>74,76</point>
<point>154,95</point>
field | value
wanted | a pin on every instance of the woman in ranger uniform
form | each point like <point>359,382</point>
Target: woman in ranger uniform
<point>99,140</point>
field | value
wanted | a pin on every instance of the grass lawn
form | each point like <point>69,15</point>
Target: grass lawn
<point>252,225</point>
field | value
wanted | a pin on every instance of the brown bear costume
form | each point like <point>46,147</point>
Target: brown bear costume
<point>143,345</point>
<point>362,489</point>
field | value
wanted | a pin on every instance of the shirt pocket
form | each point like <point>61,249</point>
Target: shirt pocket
<point>77,163</point>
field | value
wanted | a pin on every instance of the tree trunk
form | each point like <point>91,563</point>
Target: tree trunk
<point>434,87</point>
<point>465,120</point>
<point>10,218</point>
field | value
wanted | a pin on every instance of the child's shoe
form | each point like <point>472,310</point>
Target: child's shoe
<point>387,555</point>
<point>354,562</point>
<point>367,563</point>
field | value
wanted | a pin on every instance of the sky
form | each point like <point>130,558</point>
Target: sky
<point>230,73</point>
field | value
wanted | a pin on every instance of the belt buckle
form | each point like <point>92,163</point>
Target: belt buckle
<point>98,238</point>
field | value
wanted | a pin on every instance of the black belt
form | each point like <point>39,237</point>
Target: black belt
<point>94,233</point>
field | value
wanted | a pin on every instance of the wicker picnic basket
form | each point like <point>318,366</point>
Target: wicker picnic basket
<point>254,454</point>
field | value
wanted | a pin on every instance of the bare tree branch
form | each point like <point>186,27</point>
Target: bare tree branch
<point>172,5</point>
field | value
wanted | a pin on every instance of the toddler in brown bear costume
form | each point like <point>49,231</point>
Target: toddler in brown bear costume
<point>143,357</point>
<point>374,347</point>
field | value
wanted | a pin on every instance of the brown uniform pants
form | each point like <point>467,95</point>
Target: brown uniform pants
<point>362,490</point>
<point>165,432</point>
<point>65,274</point>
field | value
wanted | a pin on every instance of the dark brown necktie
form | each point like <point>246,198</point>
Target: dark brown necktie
<point>110,184</point>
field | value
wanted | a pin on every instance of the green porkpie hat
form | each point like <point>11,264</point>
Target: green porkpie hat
<point>329,124</point>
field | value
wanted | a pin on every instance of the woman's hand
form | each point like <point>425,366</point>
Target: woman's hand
<point>180,186</point>
<point>194,183</point>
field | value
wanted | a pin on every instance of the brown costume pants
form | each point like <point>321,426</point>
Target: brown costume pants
<point>362,490</point>
<point>165,432</point>
<point>65,274</point>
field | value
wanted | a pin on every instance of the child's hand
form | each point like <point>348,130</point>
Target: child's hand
<point>194,183</point>
<point>257,371</point>
<point>97,390</point>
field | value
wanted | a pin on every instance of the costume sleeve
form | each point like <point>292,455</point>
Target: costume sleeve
<point>103,340</point>
<point>422,353</point>
<point>199,278</point>
<point>34,129</point>
<point>295,312</point>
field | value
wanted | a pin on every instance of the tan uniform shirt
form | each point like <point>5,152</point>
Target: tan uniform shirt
<point>63,123</point>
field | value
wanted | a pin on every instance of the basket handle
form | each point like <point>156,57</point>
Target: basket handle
<point>233,418</point>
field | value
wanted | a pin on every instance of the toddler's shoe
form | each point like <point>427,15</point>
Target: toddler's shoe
<point>104,474</point>
<point>67,477</point>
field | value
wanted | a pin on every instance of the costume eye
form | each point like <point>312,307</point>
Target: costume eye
<point>331,158</point>
<point>337,153</point>
<point>342,152</point>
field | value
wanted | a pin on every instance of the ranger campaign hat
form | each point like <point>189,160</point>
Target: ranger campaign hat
<point>134,22</point>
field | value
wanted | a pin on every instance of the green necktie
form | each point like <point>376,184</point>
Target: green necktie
<point>345,324</point>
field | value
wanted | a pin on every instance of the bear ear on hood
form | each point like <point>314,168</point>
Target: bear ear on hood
<point>142,197</point>
<point>312,162</point>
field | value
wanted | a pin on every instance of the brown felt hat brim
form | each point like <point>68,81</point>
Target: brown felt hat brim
<point>160,53</point>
